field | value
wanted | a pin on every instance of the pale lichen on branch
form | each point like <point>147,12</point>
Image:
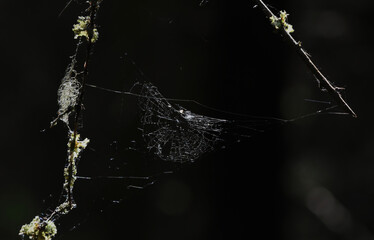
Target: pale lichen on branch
<point>281,21</point>
<point>39,230</point>
<point>81,29</point>
<point>75,147</point>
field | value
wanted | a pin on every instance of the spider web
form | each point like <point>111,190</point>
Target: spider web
<point>174,133</point>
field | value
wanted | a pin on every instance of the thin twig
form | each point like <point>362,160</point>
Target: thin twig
<point>324,82</point>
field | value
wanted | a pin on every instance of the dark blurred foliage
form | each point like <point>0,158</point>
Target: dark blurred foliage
<point>311,179</point>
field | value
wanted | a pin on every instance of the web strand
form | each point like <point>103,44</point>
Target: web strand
<point>174,133</point>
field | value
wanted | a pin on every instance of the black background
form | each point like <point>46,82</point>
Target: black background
<point>223,54</point>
